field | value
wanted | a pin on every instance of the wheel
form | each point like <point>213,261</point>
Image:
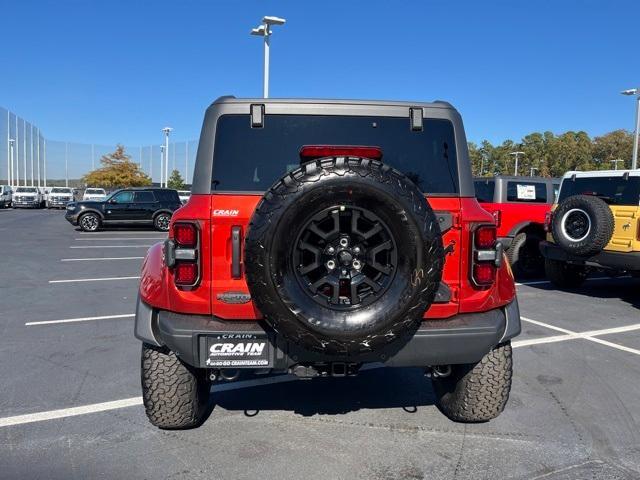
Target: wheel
<point>582,225</point>
<point>565,275</point>
<point>175,395</point>
<point>476,392</point>
<point>525,257</point>
<point>89,222</point>
<point>161,221</point>
<point>343,256</point>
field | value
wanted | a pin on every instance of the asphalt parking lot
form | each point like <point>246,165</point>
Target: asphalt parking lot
<point>70,402</point>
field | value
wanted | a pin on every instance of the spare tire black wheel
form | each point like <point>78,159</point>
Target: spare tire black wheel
<point>582,225</point>
<point>343,256</point>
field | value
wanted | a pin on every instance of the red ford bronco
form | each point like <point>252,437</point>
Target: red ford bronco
<point>520,206</point>
<point>322,235</point>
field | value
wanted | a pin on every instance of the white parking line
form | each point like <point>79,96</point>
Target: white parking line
<point>118,238</point>
<point>105,279</point>
<point>80,319</point>
<point>95,259</point>
<point>129,402</point>
<point>571,335</point>
<point>112,246</point>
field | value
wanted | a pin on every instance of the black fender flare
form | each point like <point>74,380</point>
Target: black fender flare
<point>91,210</point>
<point>162,210</point>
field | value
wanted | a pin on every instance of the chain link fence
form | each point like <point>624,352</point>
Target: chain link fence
<point>27,157</point>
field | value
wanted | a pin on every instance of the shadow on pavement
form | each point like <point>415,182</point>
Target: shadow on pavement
<point>405,388</point>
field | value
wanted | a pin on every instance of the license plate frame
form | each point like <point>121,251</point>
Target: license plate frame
<point>236,350</point>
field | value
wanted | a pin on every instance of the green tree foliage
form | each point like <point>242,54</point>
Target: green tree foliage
<point>175,181</point>
<point>552,155</point>
<point>117,171</point>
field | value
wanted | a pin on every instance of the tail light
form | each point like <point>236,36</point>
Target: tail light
<point>182,254</point>
<point>548,218</point>
<point>487,256</point>
<point>309,152</point>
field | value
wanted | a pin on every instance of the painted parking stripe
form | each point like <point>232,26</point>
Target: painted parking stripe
<point>590,335</point>
<point>129,402</point>
<point>111,246</point>
<point>105,279</point>
<point>96,259</point>
<point>80,319</point>
<point>118,238</point>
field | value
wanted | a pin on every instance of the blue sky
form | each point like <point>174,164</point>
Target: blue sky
<point>119,70</point>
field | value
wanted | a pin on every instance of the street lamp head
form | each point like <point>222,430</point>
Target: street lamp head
<point>166,130</point>
<point>630,91</point>
<point>273,20</point>
<point>259,31</point>
<point>516,153</point>
<point>11,141</point>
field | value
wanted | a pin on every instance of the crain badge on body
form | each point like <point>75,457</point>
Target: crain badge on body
<point>234,297</point>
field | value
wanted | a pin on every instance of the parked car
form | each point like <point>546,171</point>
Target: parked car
<point>519,205</point>
<point>299,252</point>
<point>184,195</point>
<point>97,194</point>
<point>6,194</point>
<point>30,197</point>
<point>144,205</point>
<point>595,225</point>
<point>59,197</point>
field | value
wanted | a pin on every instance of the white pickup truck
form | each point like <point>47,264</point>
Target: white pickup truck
<point>59,197</point>
<point>29,197</point>
<point>94,194</point>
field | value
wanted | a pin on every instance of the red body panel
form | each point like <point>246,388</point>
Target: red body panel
<point>216,214</point>
<point>514,215</point>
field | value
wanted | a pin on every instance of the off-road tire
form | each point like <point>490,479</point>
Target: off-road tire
<point>324,184</point>
<point>565,275</point>
<point>89,226</point>
<point>601,224</point>
<point>175,395</point>
<point>476,392</point>
<point>161,221</point>
<point>525,257</point>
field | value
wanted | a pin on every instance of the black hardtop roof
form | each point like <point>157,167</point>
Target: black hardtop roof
<point>328,101</point>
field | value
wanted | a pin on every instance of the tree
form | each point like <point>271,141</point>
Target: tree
<point>613,146</point>
<point>117,171</point>
<point>175,181</point>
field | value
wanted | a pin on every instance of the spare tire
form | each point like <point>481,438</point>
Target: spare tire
<point>582,225</point>
<point>343,256</point>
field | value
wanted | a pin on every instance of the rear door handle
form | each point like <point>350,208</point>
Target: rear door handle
<point>235,252</point>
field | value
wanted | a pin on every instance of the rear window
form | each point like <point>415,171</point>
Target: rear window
<point>145,197</point>
<point>95,191</point>
<point>613,190</point>
<point>526,192</point>
<point>252,159</point>
<point>485,190</point>
<point>167,195</point>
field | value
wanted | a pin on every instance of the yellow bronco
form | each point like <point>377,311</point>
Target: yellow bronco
<point>594,224</point>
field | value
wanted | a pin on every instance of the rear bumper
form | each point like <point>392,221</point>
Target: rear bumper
<point>465,338</point>
<point>605,259</point>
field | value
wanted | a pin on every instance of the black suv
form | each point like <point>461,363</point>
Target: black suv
<point>144,205</point>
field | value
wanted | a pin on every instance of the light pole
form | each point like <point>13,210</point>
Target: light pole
<point>166,131</point>
<point>66,164</point>
<point>162,157</point>
<point>517,155</point>
<point>615,162</point>
<point>12,173</point>
<point>264,31</point>
<point>636,92</point>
